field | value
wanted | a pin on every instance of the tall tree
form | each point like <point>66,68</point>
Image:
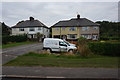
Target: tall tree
<point>6,30</point>
<point>109,29</point>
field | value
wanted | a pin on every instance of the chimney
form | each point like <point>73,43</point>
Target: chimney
<point>31,19</point>
<point>78,16</point>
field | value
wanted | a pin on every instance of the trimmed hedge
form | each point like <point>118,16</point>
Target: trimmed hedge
<point>105,48</point>
<point>109,38</point>
<point>14,38</point>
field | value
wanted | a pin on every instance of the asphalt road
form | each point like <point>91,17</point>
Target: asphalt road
<point>58,78</point>
<point>12,52</point>
<point>59,72</point>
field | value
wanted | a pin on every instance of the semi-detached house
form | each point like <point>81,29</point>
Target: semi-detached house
<point>74,28</point>
<point>30,27</point>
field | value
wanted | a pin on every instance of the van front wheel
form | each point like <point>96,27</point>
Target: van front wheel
<point>70,51</point>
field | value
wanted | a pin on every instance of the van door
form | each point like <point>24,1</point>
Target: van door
<point>63,46</point>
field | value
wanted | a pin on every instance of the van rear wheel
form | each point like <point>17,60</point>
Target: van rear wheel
<point>48,50</point>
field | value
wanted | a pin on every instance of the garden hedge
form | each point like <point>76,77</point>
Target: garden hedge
<point>105,48</point>
<point>14,38</point>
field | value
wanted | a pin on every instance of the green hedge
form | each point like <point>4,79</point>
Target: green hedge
<point>105,48</point>
<point>15,38</point>
<point>109,38</point>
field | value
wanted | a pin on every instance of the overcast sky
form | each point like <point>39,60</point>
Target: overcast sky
<point>51,12</point>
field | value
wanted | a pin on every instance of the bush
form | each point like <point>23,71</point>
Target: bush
<point>15,38</point>
<point>109,38</point>
<point>83,47</point>
<point>105,48</point>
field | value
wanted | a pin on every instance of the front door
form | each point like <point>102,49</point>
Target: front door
<point>94,37</point>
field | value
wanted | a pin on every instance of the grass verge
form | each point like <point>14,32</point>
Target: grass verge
<point>16,44</point>
<point>46,60</point>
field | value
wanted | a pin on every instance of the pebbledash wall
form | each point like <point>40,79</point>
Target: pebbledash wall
<point>31,31</point>
<point>30,27</point>
<point>89,32</point>
<point>74,28</point>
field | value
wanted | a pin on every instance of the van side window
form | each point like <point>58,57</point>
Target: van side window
<point>62,44</point>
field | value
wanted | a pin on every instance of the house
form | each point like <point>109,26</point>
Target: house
<point>30,27</point>
<point>74,28</point>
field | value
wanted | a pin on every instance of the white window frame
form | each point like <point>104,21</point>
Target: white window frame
<point>63,28</point>
<point>95,37</point>
<point>21,29</point>
<point>95,28</point>
<point>31,28</point>
<point>57,28</point>
<point>39,28</point>
<point>74,29</point>
<point>69,36</point>
<point>87,36</point>
<point>85,28</point>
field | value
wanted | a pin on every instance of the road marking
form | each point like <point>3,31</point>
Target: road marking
<point>21,76</point>
<point>54,77</point>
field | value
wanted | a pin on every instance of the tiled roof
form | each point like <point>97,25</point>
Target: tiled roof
<point>75,22</point>
<point>29,23</point>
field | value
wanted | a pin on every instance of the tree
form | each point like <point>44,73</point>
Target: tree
<point>6,30</point>
<point>39,36</point>
<point>109,30</point>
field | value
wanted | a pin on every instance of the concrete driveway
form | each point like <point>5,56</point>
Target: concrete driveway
<point>11,53</point>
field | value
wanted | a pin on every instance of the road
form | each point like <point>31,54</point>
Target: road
<point>12,52</point>
<point>60,72</point>
<point>59,79</point>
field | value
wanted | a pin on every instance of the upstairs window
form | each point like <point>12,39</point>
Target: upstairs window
<point>95,28</point>
<point>63,28</point>
<point>21,29</point>
<point>47,30</point>
<point>72,29</point>
<point>39,28</point>
<point>56,28</point>
<point>85,28</point>
<point>32,29</point>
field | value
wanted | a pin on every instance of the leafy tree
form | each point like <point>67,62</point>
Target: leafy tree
<point>6,30</point>
<point>39,36</point>
<point>109,30</point>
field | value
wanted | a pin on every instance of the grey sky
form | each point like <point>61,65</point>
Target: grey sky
<point>50,12</point>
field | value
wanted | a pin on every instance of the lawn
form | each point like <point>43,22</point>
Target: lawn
<point>16,44</point>
<point>32,59</point>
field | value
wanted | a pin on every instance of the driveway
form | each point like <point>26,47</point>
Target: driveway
<point>12,52</point>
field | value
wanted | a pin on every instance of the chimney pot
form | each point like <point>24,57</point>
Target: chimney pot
<point>31,19</point>
<point>78,16</point>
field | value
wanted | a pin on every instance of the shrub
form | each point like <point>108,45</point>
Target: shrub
<point>105,48</point>
<point>83,47</point>
<point>109,38</point>
<point>14,38</point>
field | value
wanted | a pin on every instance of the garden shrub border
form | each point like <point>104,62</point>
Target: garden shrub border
<point>105,48</point>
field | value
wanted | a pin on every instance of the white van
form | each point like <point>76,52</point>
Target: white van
<point>58,45</point>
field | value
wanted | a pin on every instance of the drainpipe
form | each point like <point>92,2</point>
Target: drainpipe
<point>60,32</point>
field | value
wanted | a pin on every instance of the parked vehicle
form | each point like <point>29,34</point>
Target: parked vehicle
<point>69,43</point>
<point>58,45</point>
